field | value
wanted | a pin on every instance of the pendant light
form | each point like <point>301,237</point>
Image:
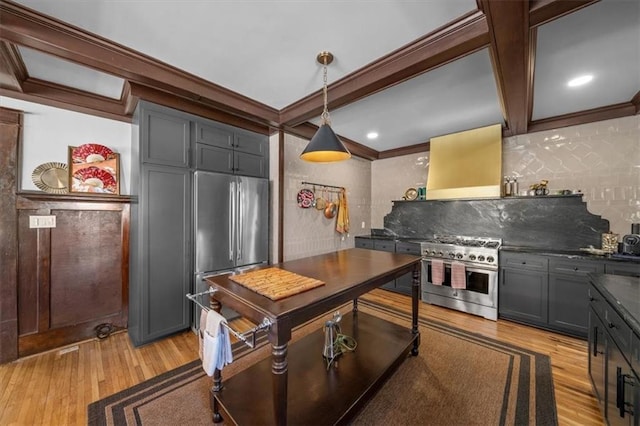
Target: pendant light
<point>325,146</point>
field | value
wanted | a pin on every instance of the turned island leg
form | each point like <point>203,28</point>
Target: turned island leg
<point>279,371</point>
<point>415,297</point>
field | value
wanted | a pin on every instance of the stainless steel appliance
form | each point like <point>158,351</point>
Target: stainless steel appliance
<point>231,226</point>
<point>631,244</point>
<point>479,256</point>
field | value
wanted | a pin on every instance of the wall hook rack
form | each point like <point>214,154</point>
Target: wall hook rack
<point>323,185</point>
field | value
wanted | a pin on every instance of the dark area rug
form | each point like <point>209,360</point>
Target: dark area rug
<point>459,378</point>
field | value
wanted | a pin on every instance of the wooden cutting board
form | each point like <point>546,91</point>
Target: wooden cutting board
<point>276,283</point>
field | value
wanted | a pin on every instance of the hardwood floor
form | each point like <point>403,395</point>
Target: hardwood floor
<point>55,387</point>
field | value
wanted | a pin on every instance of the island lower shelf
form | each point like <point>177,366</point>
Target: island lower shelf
<point>317,395</point>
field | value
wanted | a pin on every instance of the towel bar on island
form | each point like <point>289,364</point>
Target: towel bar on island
<point>248,337</point>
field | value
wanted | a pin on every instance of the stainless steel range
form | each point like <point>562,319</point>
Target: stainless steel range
<point>475,259</point>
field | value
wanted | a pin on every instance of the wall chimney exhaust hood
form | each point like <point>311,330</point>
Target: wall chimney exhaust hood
<point>466,164</point>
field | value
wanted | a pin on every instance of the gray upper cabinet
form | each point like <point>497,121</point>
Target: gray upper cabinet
<point>222,148</point>
<point>165,138</point>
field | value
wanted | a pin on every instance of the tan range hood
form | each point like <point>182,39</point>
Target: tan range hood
<point>466,164</point>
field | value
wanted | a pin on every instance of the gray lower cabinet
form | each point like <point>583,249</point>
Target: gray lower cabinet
<point>405,282</point>
<point>611,367</point>
<point>568,294</point>
<point>160,252</point>
<point>622,268</point>
<point>401,284</point>
<point>390,246</point>
<point>524,287</point>
<point>550,291</point>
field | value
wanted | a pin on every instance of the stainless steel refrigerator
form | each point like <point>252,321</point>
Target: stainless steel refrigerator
<point>231,226</point>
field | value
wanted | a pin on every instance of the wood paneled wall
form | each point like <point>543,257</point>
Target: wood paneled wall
<point>10,127</point>
<point>74,277</point>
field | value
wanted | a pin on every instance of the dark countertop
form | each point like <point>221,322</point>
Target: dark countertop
<point>623,293</point>
<point>572,254</point>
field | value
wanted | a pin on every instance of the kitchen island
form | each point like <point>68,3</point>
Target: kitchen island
<point>299,388</point>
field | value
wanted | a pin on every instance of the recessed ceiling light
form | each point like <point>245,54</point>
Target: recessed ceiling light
<point>579,81</point>
<point>372,135</point>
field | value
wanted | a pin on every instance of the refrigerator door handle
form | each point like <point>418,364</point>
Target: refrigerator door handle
<point>232,217</point>
<point>240,228</point>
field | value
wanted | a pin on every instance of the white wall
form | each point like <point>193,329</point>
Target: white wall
<point>306,231</point>
<point>49,131</point>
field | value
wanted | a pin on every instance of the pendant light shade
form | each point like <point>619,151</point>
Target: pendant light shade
<point>325,146</point>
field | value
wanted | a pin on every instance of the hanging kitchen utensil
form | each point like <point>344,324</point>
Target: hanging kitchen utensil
<point>330,210</point>
<point>342,223</point>
<point>321,203</point>
<point>305,198</point>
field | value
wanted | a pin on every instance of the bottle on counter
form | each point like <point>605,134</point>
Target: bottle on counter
<point>507,186</point>
<point>514,186</point>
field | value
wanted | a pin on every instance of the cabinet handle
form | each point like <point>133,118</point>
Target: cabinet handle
<point>595,341</point>
<point>621,380</point>
<point>576,269</point>
<point>524,263</point>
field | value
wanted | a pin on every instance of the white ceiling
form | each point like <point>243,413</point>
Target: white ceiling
<point>266,51</point>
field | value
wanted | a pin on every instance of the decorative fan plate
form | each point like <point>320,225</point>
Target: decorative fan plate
<point>91,153</point>
<point>51,177</point>
<point>100,179</point>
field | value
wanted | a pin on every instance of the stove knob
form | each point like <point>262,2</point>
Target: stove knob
<point>452,254</point>
<point>459,256</point>
<point>440,254</point>
<point>433,252</point>
<point>490,259</point>
<point>481,258</point>
<point>472,257</point>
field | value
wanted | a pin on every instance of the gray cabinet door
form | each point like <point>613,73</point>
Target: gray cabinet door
<point>597,357</point>
<point>214,159</point>
<point>165,253</point>
<point>249,165</point>
<point>251,143</point>
<point>213,135</point>
<point>569,303</point>
<point>621,384</point>
<point>165,138</point>
<point>523,295</point>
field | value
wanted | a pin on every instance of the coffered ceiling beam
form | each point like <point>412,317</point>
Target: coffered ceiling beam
<point>636,101</point>
<point>12,69</point>
<point>47,93</point>
<point>512,59</point>
<point>28,28</point>
<point>405,150</point>
<point>543,11</point>
<point>450,42</point>
<point>624,109</point>
<point>135,92</point>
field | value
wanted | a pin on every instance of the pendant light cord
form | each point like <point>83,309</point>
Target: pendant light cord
<point>325,112</point>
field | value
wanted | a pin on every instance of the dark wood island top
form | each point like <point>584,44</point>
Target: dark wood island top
<point>266,393</point>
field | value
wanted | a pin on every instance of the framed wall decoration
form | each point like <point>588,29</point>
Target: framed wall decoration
<point>94,169</point>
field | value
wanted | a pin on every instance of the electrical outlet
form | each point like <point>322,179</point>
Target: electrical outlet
<point>363,225</point>
<point>42,221</point>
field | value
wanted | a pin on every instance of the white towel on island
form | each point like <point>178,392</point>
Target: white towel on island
<point>216,351</point>
<point>437,271</point>
<point>203,325</point>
